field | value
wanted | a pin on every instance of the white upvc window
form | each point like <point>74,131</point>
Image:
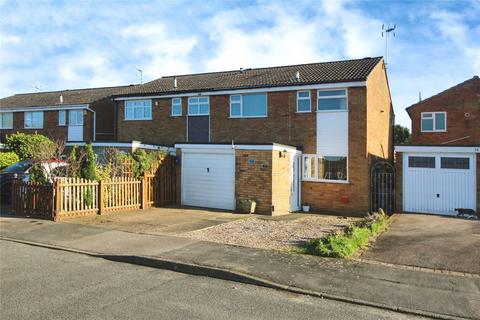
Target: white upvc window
<point>248,105</point>
<point>138,110</point>
<point>6,120</point>
<point>176,107</point>
<point>62,118</point>
<point>304,101</point>
<point>325,168</point>
<point>332,100</point>
<point>33,120</point>
<point>198,106</point>
<point>433,121</point>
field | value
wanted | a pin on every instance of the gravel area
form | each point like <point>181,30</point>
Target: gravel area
<point>271,234</point>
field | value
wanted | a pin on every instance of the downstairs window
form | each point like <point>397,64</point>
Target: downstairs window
<point>324,168</point>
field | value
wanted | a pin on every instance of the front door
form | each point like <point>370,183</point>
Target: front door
<point>295,196</point>
<point>75,125</point>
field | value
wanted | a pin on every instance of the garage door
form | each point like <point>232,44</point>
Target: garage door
<point>439,183</point>
<point>208,179</point>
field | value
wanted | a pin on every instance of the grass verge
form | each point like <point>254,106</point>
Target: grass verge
<point>346,243</point>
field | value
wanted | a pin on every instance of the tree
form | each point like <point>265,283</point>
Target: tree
<point>8,158</point>
<point>89,163</point>
<point>30,146</point>
<point>401,135</point>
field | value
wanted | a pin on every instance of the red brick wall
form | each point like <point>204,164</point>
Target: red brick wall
<point>50,129</point>
<point>253,179</point>
<point>163,129</point>
<point>461,99</point>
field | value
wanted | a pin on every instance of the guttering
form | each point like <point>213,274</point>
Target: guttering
<point>213,147</point>
<point>133,144</point>
<point>46,108</point>
<point>254,90</point>
<point>439,149</point>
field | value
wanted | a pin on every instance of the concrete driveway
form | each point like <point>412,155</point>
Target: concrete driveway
<point>165,220</point>
<point>429,241</point>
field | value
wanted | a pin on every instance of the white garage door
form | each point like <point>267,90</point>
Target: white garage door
<point>208,179</point>
<point>439,183</point>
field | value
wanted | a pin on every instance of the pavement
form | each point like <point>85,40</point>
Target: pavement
<point>411,291</point>
<point>81,288</point>
<point>429,241</point>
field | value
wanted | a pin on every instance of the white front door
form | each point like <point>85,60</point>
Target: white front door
<point>439,182</point>
<point>208,179</point>
<point>75,125</point>
<point>295,198</point>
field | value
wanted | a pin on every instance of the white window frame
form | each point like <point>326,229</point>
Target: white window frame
<point>64,118</point>
<point>126,118</point>
<point>316,179</point>
<point>304,98</point>
<point>1,120</point>
<point>434,128</point>
<point>330,97</point>
<point>31,118</point>
<point>190,103</point>
<point>241,105</point>
<point>70,118</point>
<point>176,104</point>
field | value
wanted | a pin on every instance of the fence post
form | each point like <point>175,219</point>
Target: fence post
<point>143,195</point>
<point>101,204</point>
<point>56,197</point>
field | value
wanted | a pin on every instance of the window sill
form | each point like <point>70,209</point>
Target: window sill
<point>327,181</point>
<point>250,117</point>
<point>199,115</point>
<point>176,115</point>
<point>32,128</point>
<point>330,111</point>
<point>137,119</point>
<point>432,131</point>
<point>6,128</point>
<point>309,111</point>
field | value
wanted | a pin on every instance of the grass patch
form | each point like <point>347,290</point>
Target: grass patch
<point>346,243</point>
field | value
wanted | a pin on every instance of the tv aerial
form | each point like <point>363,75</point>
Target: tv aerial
<point>387,30</point>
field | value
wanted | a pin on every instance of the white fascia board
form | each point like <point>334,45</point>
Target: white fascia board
<point>225,147</point>
<point>255,90</point>
<point>47,108</point>
<point>439,149</point>
<point>123,145</point>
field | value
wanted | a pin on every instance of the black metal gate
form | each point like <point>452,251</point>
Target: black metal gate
<point>382,187</point>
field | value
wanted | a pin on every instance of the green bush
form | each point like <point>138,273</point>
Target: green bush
<point>89,164</point>
<point>37,174</point>
<point>27,146</point>
<point>142,161</point>
<point>346,243</point>
<point>8,158</point>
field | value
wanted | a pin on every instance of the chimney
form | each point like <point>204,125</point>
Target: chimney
<point>61,99</point>
<point>297,76</point>
<point>241,70</point>
<point>175,83</point>
<point>419,96</point>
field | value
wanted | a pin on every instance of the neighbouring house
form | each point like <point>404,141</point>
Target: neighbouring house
<point>80,115</point>
<point>282,136</point>
<point>439,173</point>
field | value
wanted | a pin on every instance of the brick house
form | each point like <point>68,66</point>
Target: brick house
<point>70,115</point>
<point>282,136</point>
<point>439,171</point>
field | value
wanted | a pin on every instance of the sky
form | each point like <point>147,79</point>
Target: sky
<point>56,45</point>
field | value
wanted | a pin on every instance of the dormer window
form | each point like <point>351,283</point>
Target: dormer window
<point>433,121</point>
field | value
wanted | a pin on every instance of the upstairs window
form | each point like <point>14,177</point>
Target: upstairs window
<point>176,107</point>
<point>138,110</point>
<point>303,101</point>
<point>332,100</point>
<point>33,120</point>
<point>6,120</point>
<point>199,106</point>
<point>434,121</point>
<point>62,118</point>
<point>248,105</point>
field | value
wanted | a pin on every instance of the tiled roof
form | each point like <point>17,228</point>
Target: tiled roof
<point>52,98</point>
<point>313,73</point>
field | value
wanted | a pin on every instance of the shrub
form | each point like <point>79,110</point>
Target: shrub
<point>142,161</point>
<point>28,146</point>
<point>346,243</point>
<point>8,158</point>
<point>87,170</point>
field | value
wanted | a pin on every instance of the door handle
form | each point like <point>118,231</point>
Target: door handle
<point>438,195</point>
<point>208,169</point>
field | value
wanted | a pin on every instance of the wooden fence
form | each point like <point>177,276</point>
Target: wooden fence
<point>79,197</point>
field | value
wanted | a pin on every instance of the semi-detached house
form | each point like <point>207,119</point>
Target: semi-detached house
<point>282,136</point>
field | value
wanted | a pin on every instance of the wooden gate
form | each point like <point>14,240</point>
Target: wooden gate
<point>32,199</point>
<point>161,186</point>
<point>382,187</point>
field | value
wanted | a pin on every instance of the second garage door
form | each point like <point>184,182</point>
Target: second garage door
<point>208,179</point>
<point>439,183</point>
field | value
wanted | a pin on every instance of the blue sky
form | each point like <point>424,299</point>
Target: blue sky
<point>73,44</point>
